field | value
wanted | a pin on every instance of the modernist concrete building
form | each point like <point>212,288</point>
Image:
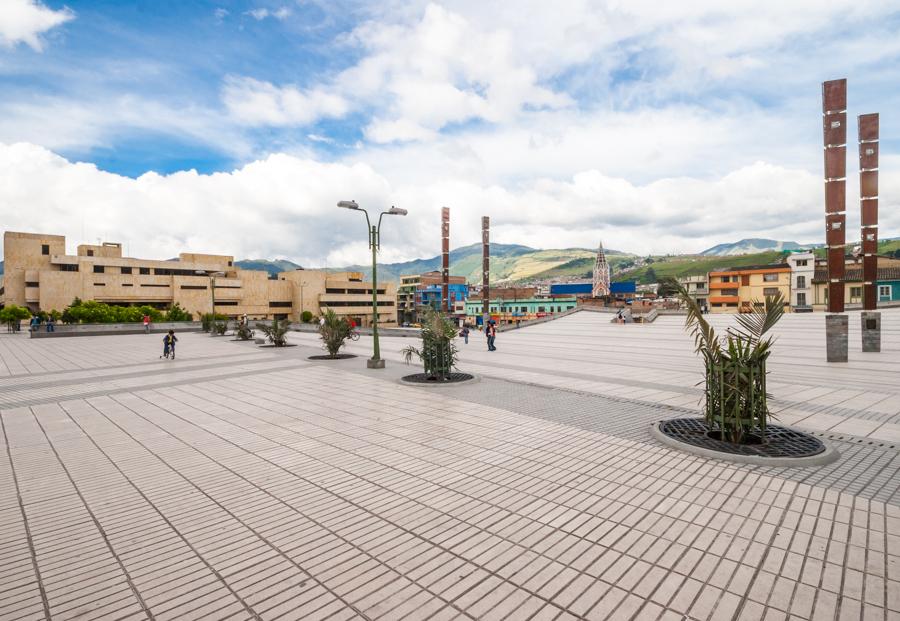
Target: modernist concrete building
<point>41,276</point>
<point>738,289</point>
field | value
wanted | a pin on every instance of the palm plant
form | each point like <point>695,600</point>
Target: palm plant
<point>276,333</point>
<point>735,385</point>
<point>334,331</point>
<point>438,353</point>
<point>243,331</point>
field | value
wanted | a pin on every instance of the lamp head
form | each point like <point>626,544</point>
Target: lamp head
<point>396,211</point>
<point>348,205</point>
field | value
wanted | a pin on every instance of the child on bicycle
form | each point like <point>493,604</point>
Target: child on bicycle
<point>169,341</point>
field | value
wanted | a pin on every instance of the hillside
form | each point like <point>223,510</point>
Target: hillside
<point>750,246</point>
<point>689,265</point>
<point>508,262</point>
<point>273,267</point>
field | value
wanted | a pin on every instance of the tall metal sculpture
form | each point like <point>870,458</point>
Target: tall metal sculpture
<point>834,129</point>
<point>485,268</point>
<point>445,259</point>
<point>868,207</point>
<point>601,274</point>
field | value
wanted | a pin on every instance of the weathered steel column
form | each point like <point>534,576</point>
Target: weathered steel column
<point>868,207</point>
<point>834,129</point>
<point>485,269</point>
<point>445,259</point>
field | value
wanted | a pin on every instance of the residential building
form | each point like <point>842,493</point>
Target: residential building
<point>887,283</point>
<point>697,287</point>
<point>512,309</point>
<point>739,289</point>
<point>419,290</point>
<point>41,276</point>
<point>803,270</point>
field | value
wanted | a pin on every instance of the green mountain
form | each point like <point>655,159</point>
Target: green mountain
<point>273,267</point>
<point>509,262</point>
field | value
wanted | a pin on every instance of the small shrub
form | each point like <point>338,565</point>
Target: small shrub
<point>221,327</point>
<point>176,313</point>
<point>438,353</point>
<point>243,332</point>
<point>276,333</point>
<point>306,316</point>
<point>334,331</point>
<point>11,315</point>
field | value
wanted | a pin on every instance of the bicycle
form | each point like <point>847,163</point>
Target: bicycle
<point>354,335</point>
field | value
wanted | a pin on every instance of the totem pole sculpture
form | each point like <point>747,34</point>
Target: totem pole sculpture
<point>834,126</point>
<point>868,207</point>
<point>486,269</point>
<point>445,259</point>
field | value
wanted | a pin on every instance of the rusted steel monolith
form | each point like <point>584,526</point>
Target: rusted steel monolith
<point>834,129</point>
<point>868,212</point>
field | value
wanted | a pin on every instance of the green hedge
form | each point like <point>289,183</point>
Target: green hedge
<point>91,311</point>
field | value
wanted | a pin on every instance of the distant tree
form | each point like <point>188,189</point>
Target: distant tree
<point>668,287</point>
<point>650,276</point>
<point>11,315</point>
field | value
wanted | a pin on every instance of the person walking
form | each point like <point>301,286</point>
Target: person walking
<point>491,332</point>
<point>146,324</point>
<point>465,334</point>
<point>169,341</point>
<point>34,323</point>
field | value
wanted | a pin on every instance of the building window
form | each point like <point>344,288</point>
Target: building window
<point>855,294</point>
<point>884,292</point>
<point>333,290</point>
<point>802,263</point>
<point>770,291</point>
<point>68,267</point>
<point>729,291</point>
<point>226,303</point>
<point>801,282</point>
<point>45,248</point>
<point>280,304</point>
<point>32,284</point>
<point>801,299</point>
<point>90,253</point>
<point>144,270</point>
<point>99,284</point>
<point>770,277</point>
<point>154,285</point>
<point>126,270</point>
<point>98,269</point>
<point>199,287</point>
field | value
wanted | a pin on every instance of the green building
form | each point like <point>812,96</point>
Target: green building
<point>509,311</point>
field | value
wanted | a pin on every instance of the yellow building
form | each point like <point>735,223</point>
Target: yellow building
<point>41,276</point>
<point>737,289</point>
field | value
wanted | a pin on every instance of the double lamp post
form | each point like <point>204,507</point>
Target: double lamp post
<point>375,362</point>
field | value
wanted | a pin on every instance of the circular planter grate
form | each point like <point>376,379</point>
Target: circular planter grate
<point>337,357</point>
<point>422,378</point>
<point>775,442</point>
<point>280,347</point>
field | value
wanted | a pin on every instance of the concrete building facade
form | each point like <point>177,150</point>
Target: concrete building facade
<point>42,277</point>
<point>418,290</point>
<point>887,286</point>
<point>697,287</point>
<point>803,271</point>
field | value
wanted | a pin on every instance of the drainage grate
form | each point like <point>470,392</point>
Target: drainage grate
<point>452,378</point>
<point>775,441</point>
<point>336,357</point>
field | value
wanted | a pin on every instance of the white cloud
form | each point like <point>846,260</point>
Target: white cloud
<point>284,206</point>
<point>24,21</point>
<point>252,102</point>
<point>260,14</point>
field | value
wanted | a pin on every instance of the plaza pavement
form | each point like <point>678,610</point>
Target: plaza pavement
<point>246,483</point>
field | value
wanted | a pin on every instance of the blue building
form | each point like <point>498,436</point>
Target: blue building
<point>584,289</point>
<point>432,295</point>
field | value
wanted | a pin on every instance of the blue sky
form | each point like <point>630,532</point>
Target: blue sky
<point>655,127</point>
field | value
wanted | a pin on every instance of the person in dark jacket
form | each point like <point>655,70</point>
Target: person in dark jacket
<point>169,341</point>
<point>491,332</point>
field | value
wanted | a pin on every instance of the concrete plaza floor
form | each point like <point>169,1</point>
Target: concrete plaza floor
<point>245,483</point>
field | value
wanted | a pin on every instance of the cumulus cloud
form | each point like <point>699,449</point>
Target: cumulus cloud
<point>284,206</point>
<point>419,78</point>
<point>24,21</point>
<point>260,14</point>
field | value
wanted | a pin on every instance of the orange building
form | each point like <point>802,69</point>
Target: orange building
<point>736,290</point>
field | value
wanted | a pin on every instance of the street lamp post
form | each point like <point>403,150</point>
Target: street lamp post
<point>375,362</point>
<point>212,297</point>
